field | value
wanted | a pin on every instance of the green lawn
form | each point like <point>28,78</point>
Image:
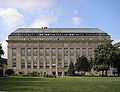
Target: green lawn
<point>60,84</point>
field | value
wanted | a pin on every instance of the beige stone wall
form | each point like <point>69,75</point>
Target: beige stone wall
<point>85,43</point>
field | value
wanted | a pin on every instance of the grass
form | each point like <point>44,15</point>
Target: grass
<point>60,84</point>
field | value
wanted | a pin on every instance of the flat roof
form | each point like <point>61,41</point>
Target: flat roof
<point>58,30</point>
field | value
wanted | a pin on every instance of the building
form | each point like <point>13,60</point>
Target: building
<point>50,50</point>
<point>117,44</point>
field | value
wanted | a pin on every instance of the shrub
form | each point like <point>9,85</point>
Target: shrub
<point>9,72</point>
<point>1,73</point>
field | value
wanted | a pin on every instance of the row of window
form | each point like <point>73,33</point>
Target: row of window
<point>59,34</point>
<point>47,56</point>
<point>41,66</point>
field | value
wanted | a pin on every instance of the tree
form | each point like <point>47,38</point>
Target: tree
<point>82,65</point>
<point>116,60</point>
<point>1,53</point>
<point>103,57</point>
<point>71,70</point>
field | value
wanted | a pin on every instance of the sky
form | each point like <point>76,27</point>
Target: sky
<point>102,14</point>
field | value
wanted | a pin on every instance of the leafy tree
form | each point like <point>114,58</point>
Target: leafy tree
<point>103,57</point>
<point>1,53</point>
<point>71,70</point>
<point>116,60</point>
<point>82,64</point>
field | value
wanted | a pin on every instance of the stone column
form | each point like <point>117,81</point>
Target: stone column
<point>18,59</point>
<point>56,61</point>
<point>50,60</point>
<point>9,66</point>
<point>62,62</point>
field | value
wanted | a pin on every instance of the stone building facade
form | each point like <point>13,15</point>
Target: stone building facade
<point>50,50</point>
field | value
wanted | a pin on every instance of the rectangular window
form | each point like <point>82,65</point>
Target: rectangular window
<point>71,51</point>
<point>41,51</point>
<point>53,59</point>
<point>14,52</point>
<point>77,52</point>
<point>14,65</point>
<point>41,65</point>
<point>34,66</point>
<point>90,52</point>
<point>23,66</point>
<point>29,66</point>
<point>22,51</point>
<point>60,58</point>
<point>59,50</point>
<point>34,58</point>
<point>65,58</point>
<point>28,51</point>
<point>47,66</point>
<point>41,58</point>
<point>29,58</point>
<point>65,51</point>
<point>47,59</point>
<point>35,51</point>
<point>53,51</point>
<point>22,58</point>
<point>47,51</point>
<point>72,58</point>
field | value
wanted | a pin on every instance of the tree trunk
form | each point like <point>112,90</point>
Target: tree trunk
<point>105,72</point>
<point>118,69</point>
<point>102,73</point>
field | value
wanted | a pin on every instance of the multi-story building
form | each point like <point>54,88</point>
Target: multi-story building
<point>50,50</point>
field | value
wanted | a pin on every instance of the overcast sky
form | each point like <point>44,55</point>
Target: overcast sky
<point>103,14</point>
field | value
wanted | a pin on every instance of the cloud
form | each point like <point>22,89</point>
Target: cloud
<point>44,21</point>
<point>76,21</point>
<point>28,5</point>
<point>11,17</point>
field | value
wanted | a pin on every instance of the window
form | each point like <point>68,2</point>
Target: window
<point>14,51</point>
<point>53,51</point>
<point>22,66</point>
<point>22,58</point>
<point>28,51</point>
<point>41,51</point>
<point>22,51</point>
<point>71,51</point>
<point>29,58</point>
<point>41,58</point>
<point>35,58</point>
<point>34,66</point>
<point>47,59</point>
<point>53,59</point>
<point>65,58</point>
<point>41,65</point>
<point>65,51</point>
<point>72,58</point>
<point>47,51</point>
<point>59,50</point>
<point>28,66</point>
<point>89,52</point>
<point>47,66</point>
<point>35,51</point>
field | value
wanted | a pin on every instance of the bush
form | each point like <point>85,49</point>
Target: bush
<point>9,72</point>
<point>34,74</point>
<point>20,73</point>
<point>1,73</point>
